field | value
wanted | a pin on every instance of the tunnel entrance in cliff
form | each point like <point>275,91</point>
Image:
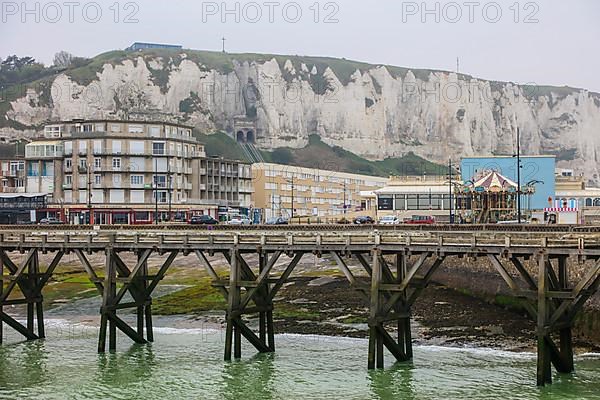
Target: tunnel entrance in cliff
<point>250,137</point>
<point>241,138</point>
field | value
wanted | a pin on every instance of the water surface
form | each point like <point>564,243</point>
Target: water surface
<point>187,363</point>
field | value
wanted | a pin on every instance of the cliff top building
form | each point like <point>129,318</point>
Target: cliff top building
<point>143,46</point>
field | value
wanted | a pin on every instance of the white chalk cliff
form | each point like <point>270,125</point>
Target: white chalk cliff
<point>373,111</point>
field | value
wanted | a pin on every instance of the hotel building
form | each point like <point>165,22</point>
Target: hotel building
<point>125,171</point>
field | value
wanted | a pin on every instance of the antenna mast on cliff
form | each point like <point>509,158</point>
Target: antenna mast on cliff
<point>457,65</point>
<point>223,39</point>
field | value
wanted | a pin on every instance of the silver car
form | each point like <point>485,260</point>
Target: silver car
<point>239,220</point>
<point>389,220</point>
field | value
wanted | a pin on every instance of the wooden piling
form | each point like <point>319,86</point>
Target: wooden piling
<point>544,372</point>
<point>232,303</point>
<point>374,342</point>
<point>1,302</point>
<point>566,338</point>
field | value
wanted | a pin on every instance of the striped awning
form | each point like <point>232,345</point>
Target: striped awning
<point>494,182</point>
<point>561,209</point>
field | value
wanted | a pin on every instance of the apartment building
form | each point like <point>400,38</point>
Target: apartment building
<point>125,171</point>
<point>227,183</point>
<point>284,190</point>
<point>12,176</point>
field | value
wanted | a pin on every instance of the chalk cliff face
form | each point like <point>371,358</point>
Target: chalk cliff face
<point>373,111</point>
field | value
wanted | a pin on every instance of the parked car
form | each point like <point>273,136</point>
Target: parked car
<point>389,220</point>
<point>50,221</point>
<point>203,220</point>
<point>239,220</point>
<point>363,220</point>
<point>277,221</point>
<point>420,220</point>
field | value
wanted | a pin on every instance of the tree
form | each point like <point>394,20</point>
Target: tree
<point>63,59</point>
<point>16,63</point>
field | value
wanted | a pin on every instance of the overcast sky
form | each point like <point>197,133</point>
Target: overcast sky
<point>550,42</point>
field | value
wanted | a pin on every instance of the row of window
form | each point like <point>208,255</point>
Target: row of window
<point>134,147</point>
<point>413,202</point>
<point>152,130</point>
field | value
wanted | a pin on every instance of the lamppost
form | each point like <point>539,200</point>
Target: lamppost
<point>451,207</point>
<point>155,190</point>
<point>518,156</point>
<point>89,200</point>
<point>531,185</point>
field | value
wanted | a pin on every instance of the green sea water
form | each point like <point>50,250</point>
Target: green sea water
<point>187,364</point>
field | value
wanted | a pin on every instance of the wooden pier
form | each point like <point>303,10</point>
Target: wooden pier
<point>400,264</point>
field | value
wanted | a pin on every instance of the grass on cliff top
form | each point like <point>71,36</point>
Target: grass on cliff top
<point>318,154</point>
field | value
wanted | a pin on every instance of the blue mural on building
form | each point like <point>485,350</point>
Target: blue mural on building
<point>534,168</point>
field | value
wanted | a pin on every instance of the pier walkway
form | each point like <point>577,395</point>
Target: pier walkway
<point>399,260</point>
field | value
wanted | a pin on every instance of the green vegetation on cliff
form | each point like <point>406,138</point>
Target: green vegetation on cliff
<point>318,154</point>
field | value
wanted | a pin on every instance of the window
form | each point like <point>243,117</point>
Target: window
<point>116,163</point>
<point>87,128</point>
<point>160,196</point>
<point>117,180</point>
<point>97,179</point>
<point>160,181</point>
<point>97,163</point>
<point>97,146</point>
<point>115,128</point>
<point>116,146</point>
<point>136,129</point>
<point>68,180</point>
<point>155,131</point>
<point>158,148</point>
<point>68,148</point>
<point>136,147</point>
<point>68,164</point>
<point>83,163</point>
<point>137,179</point>
<point>82,147</point>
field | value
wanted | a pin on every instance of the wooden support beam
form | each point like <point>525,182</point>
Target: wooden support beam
<point>544,372</point>
<point>405,282</point>
<point>109,276</point>
<point>286,274</point>
<point>90,271</point>
<point>524,274</point>
<point>361,259</point>
<point>17,326</point>
<point>1,296</point>
<point>232,303</point>
<point>580,298</point>
<point>374,336</point>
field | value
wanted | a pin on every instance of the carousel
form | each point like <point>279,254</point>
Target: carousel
<point>489,198</point>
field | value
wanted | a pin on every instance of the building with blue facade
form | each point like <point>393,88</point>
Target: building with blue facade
<point>533,168</point>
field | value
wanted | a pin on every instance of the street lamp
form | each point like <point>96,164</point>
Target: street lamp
<point>518,156</point>
<point>530,185</point>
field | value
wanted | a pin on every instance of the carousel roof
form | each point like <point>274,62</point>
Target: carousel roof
<point>493,181</point>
